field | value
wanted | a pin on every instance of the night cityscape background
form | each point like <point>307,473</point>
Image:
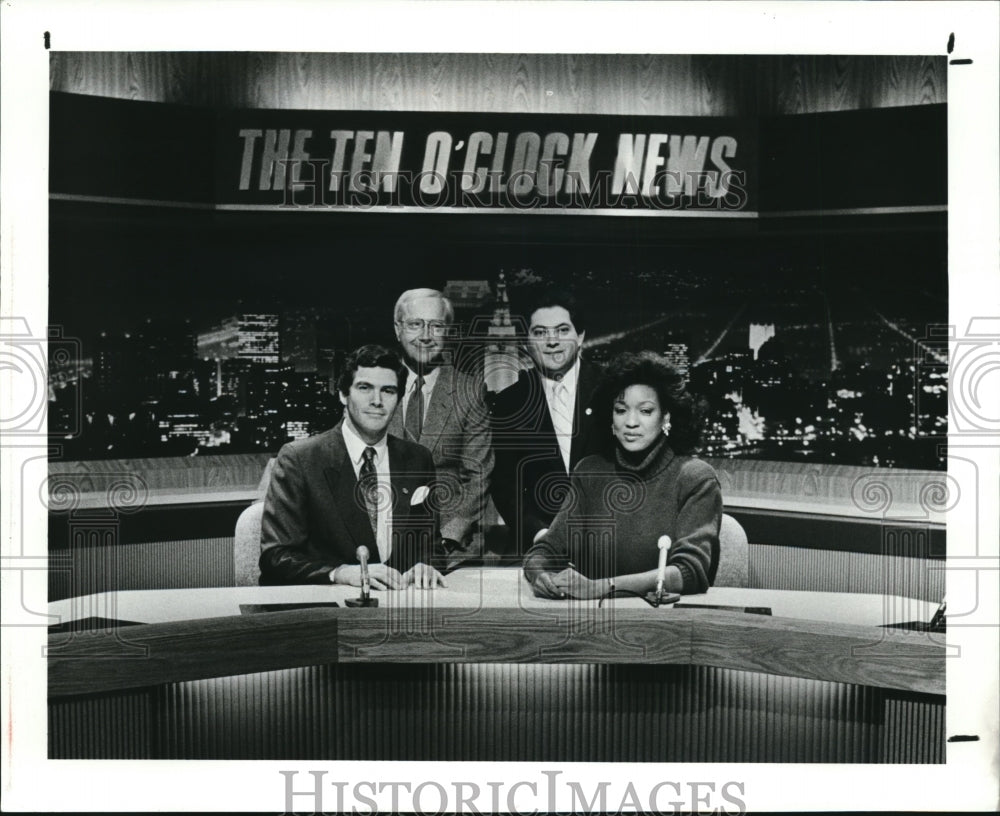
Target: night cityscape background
<point>827,350</point>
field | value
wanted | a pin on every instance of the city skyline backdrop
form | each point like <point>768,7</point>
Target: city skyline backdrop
<point>817,347</point>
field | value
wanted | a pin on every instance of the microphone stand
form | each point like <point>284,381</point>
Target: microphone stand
<point>365,600</point>
<point>660,595</point>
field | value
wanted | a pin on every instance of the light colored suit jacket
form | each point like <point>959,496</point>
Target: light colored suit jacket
<point>457,433</point>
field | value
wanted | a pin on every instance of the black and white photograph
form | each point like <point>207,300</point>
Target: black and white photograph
<point>504,427</point>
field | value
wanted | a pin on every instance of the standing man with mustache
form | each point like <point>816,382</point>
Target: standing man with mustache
<point>542,424</point>
<point>444,409</point>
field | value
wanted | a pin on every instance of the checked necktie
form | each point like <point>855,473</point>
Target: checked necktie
<point>369,488</point>
<point>414,421</point>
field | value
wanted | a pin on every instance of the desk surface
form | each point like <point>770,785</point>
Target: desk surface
<point>486,616</point>
<point>490,588</point>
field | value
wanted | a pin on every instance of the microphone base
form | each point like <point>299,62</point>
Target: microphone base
<point>360,602</point>
<point>663,598</point>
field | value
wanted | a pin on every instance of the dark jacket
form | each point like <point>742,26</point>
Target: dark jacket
<point>313,521</point>
<point>529,477</point>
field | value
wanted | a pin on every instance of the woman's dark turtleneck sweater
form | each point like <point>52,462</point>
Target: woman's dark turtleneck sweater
<point>617,511</point>
<point>644,460</point>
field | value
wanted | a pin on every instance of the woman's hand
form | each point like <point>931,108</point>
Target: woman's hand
<point>568,584</point>
<point>544,587</point>
<point>571,584</point>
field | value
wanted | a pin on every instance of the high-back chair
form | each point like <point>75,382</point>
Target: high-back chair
<point>246,545</point>
<point>734,554</point>
<point>246,540</point>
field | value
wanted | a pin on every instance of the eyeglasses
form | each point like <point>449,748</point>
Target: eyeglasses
<point>542,332</point>
<point>417,325</point>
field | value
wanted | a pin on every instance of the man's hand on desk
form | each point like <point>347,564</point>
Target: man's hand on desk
<point>380,576</point>
<point>423,576</point>
<point>567,584</point>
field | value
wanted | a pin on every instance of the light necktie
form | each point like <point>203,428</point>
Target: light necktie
<point>562,401</point>
<point>414,421</point>
<point>369,488</point>
<point>562,420</point>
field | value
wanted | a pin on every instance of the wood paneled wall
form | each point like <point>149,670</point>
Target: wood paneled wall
<point>145,481</point>
<point>678,85</point>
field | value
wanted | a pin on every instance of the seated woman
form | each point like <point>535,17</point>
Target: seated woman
<point>646,485</point>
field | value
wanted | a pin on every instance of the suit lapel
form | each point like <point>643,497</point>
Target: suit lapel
<point>439,408</point>
<point>396,423</point>
<point>397,475</point>
<point>586,383</point>
<point>540,408</point>
<point>413,525</point>
<point>343,485</point>
<point>406,479</point>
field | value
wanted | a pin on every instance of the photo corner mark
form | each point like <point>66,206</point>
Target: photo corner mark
<point>951,47</point>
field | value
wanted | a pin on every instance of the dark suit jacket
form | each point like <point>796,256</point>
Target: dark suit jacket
<point>314,520</point>
<point>457,433</point>
<point>529,477</point>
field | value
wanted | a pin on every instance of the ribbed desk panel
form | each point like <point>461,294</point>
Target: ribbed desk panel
<point>119,726</point>
<point>778,567</point>
<point>103,566</point>
<point>906,718</point>
<point>530,712</point>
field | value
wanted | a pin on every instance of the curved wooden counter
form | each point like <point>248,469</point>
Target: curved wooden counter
<point>487,619</point>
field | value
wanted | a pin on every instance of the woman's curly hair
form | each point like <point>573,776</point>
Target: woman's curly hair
<point>687,413</point>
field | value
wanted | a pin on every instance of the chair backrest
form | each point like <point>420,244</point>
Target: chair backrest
<point>246,545</point>
<point>734,554</point>
<point>265,479</point>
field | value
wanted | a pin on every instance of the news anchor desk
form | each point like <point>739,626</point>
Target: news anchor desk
<point>483,670</point>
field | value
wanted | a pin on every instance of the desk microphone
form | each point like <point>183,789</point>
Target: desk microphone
<point>663,544</point>
<point>361,553</point>
<point>658,596</point>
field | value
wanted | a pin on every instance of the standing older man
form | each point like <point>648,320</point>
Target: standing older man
<point>542,424</point>
<point>350,486</point>
<point>444,410</point>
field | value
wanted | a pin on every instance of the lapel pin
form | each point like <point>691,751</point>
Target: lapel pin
<point>406,490</point>
<point>589,411</point>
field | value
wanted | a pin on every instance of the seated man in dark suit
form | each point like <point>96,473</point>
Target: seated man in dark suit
<point>350,486</point>
<point>542,424</point>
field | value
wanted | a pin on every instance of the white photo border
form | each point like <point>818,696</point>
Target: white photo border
<point>968,781</point>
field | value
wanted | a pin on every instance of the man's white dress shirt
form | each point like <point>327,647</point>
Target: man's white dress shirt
<point>561,398</point>
<point>356,451</point>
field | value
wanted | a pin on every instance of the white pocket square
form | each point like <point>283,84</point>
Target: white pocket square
<point>419,495</point>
